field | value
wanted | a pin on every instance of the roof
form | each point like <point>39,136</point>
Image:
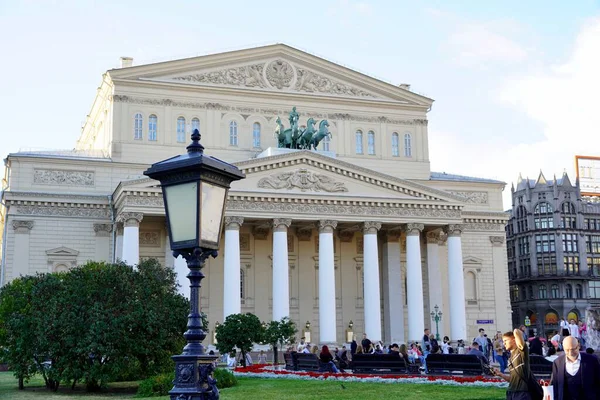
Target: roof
<point>443,176</point>
<point>77,154</point>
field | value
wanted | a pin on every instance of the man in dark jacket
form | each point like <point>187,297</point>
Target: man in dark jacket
<point>536,346</point>
<point>575,375</point>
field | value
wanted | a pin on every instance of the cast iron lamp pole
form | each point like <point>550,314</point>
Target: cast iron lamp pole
<point>194,188</point>
<point>436,316</point>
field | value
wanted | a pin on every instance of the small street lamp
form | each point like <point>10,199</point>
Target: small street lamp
<point>194,188</point>
<point>436,316</point>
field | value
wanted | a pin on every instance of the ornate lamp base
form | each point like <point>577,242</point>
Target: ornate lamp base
<point>194,378</point>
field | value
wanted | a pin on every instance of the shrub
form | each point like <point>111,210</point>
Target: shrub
<point>160,385</point>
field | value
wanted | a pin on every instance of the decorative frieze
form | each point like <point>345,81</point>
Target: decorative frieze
<point>79,210</point>
<point>151,201</point>
<point>497,241</point>
<point>312,82</point>
<point>248,76</point>
<point>338,209</point>
<point>21,226</point>
<point>63,177</point>
<point>472,196</point>
<point>150,238</point>
<point>304,180</point>
<point>483,226</point>
<point>103,229</point>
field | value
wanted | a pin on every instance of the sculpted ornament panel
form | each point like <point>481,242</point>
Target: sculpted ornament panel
<point>64,211</point>
<point>303,180</point>
<point>249,76</point>
<point>473,197</point>
<point>279,74</point>
<point>150,239</point>
<point>63,178</point>
<point>483,226</point>
<point>309,81</point>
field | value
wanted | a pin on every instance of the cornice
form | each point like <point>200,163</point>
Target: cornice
<point>343,168</point>
<point>72,197</point>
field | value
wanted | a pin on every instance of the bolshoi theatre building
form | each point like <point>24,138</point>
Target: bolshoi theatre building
<point>356,236</point>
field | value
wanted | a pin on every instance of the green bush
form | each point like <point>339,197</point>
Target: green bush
<point>225,378</point>
<point>160,385</point>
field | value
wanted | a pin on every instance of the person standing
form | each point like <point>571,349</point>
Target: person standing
<point>564,327</point>
<point>366,343</point>
<point>482,341</point>
<point>575,375</point>
<point>518,366</point>
<point>574,329</point>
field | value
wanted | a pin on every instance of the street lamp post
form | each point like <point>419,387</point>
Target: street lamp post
<point>194,188</point>
<point>436,316</point>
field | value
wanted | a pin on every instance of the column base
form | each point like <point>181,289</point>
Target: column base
<point>194,378</point>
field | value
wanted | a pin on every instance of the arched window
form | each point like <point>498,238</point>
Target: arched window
<point>554,292</point>
<point>195,124</point>
<point>359,142</point>
<point>61,268</point>
<point>407,145</point>
<point>568,208</point>
<point>371,142</point>
<point>138,126</point>
<point>542,293</point>
<point>470,286</point>
<point>233,133</point>
<point>395,144</point>
<point>569,291</point>
<point>242,285</point>
<point>180,130</point>
<point>579,292</point>
<point>256,135</point>
<point>543,216</point>
<point>152,127</point>
<point>530,292</point>
<point>326,143</point>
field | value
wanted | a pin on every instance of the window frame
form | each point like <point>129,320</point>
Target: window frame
<point>408,145</point>
<point>139,128</point>
<point>180,129</point>
<point>233,133</point>
<point>152,133</point>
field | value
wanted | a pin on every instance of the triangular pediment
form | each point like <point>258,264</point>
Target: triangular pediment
<point>274,68</point>
<point>62,251</point>
<point>307,173</point>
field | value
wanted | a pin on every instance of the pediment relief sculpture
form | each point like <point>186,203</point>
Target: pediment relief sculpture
<point>304,180</point>
<point>276,74</point>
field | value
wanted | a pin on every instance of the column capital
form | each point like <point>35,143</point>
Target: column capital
<point>453,230</point>
<point>103,229</point>
<point>497,241</point>
<point>327,226</point>
<point>130,218</point>
<point>433,237</point>
<point>414,229</point>
<point>233,223</point>
<point>281,224</point>
<point>21,226</point>
<point>371,227</point>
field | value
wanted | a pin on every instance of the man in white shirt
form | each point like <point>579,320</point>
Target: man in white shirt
<point>574,329</point>
<point>575,375</point>
<point>564,327</point>
<point>301,346</point>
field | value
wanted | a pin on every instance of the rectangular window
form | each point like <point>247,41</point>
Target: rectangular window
<point>594,289</point>
<point>523,245</point>
<point>569,242</point>
<point>544,244</point>
<point>152,127</point>
<point>546,265</point>
<point>568,222</point>
<point>359,144</point>
<point>592,243</point>
<point>594,265</point>
<point>395,145</point>
<point>371,142</point>
<point>544,222</point>
<point>571,265</point>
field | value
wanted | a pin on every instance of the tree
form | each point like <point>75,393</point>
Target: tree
<point>279,332</point>
<point>241,331</point>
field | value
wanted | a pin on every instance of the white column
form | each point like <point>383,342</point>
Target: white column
<point>434,275</point>
<point>414,282</point>
<point>231,272</point>
<point>131,237</point>
<point>281,285</point>
<point>456,283</point>
<point>393,304</point>
<point>327,309</point>
<point>372,303</point>
<point>102,242</point>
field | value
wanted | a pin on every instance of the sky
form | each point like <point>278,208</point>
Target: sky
<point>515,83</point>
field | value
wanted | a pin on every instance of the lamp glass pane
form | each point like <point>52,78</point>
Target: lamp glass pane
<point>182,210</point>
<point>211,213</point>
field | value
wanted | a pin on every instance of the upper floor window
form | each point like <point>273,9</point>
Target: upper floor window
<point>543,208</point>
<point>395,144</point>
<point>569,218</point>
<point>569,242</point>
<point>326,143</point>
<point>256,135</point>
<point>138,122</point>
<point>152,127</point>
<point>544,244</point>
<point>195,124</point>
<point>568,208</point>
<point>359,142</point>
<point>543,217</point>
<point>554,292</point>
<point>594,289</point>
<point>568,291</point>
<point>579,292</point>
<point>371,142</point>
<point>592,243</point>
<point>407,145</point>
<point>180,130</point>
<point>571,265</point>
<point>233,133</point>
<point>542,292</point>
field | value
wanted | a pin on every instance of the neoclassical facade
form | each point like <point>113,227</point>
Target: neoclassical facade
<point>360,233</point>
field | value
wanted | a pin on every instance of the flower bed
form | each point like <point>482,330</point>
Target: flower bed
<point>266,371</point>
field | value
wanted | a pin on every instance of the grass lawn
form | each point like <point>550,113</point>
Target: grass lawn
<point>266,389</point>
